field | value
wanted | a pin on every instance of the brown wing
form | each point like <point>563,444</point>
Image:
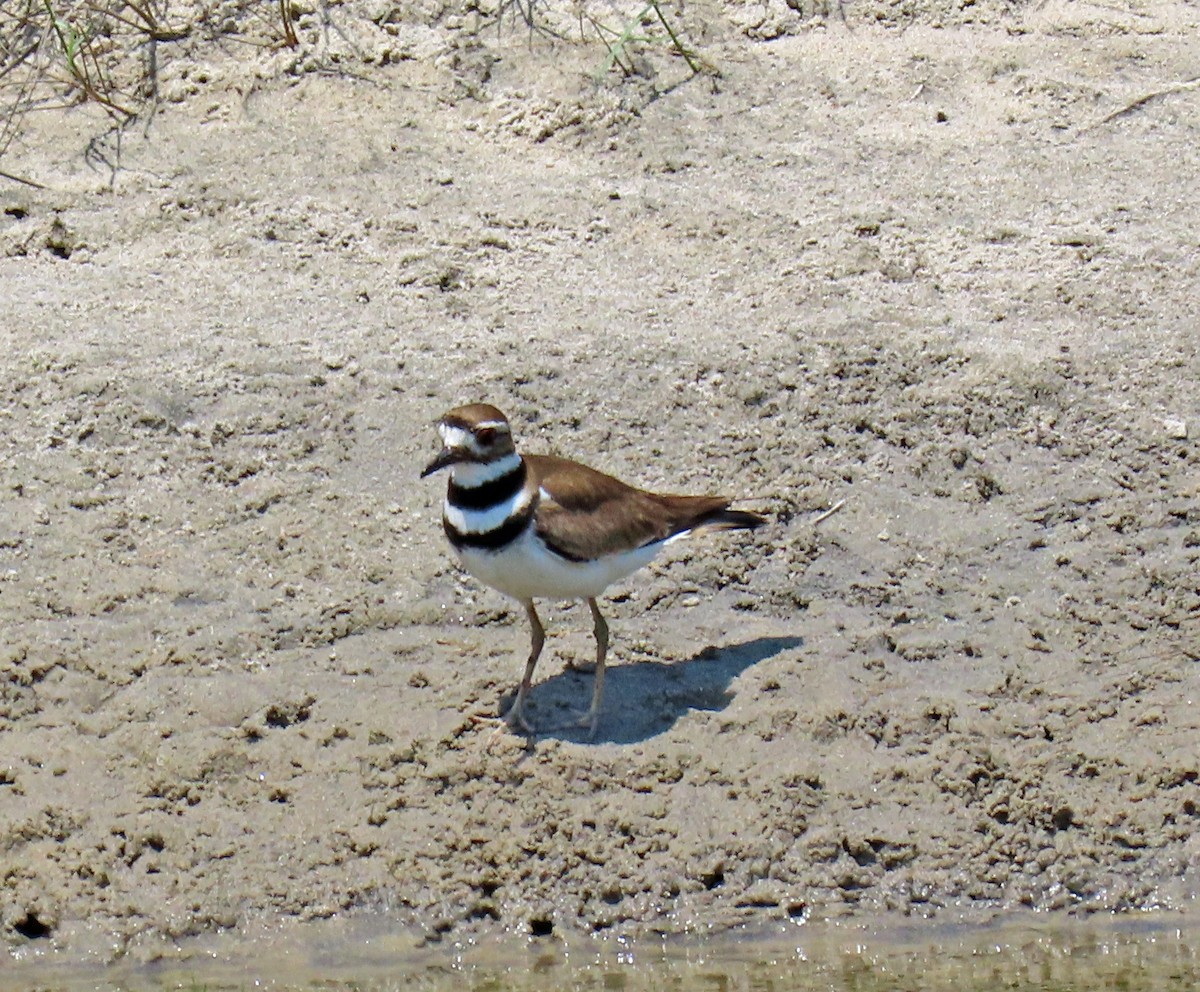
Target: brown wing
<point>589,514</point>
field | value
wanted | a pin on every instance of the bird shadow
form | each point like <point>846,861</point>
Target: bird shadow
<point>645,698</point>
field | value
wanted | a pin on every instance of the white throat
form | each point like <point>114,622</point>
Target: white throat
<point>470,475</point>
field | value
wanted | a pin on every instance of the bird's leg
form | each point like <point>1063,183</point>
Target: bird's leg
<point>516,713</point>
<point>592,717</point>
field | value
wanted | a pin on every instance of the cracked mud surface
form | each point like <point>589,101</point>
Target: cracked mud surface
<point>915,270</point>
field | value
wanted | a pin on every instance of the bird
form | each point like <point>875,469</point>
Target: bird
<point>543,527</point>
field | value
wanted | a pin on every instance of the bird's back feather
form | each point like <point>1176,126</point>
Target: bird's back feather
<point>576,499</point>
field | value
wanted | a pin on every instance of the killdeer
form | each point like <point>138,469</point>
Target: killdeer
<point>541,527</point>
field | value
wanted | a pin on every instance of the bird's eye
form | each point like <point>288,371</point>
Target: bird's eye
<point>485,435</point>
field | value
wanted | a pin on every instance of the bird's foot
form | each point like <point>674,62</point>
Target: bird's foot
<point>574,721</point>
<point>515,717</point>
<point>514,720</point>
<point>587,721</point>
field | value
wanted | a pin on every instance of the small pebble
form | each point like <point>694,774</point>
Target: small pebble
<point>1175,428</point>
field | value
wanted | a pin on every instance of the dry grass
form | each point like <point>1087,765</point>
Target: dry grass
<point>56,54</point>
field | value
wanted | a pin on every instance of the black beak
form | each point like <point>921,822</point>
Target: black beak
<point>445,458</point>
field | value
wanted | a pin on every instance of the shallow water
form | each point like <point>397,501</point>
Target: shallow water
<point>1142,953</point>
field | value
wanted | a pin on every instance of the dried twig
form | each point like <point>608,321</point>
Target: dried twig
<point>20,179</point>
<point>1141,101</point>
<point>826,514</point>
<point>289,27</point>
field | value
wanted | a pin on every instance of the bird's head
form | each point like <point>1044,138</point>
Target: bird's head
<point>477,434</point>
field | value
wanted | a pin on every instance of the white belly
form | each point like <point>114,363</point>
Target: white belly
<point>525,569</point>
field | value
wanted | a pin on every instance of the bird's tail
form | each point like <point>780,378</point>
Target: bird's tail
<point>702,514</point>
<point>726,519</point>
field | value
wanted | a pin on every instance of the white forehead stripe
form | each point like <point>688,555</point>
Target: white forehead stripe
<point>455,437</point>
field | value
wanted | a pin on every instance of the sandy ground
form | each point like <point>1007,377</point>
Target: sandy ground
<point>907,257</point>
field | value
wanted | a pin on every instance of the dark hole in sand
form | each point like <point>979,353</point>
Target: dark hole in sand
<point>31,927</point>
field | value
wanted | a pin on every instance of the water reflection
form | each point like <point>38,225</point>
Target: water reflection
<point>1143,954</point>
